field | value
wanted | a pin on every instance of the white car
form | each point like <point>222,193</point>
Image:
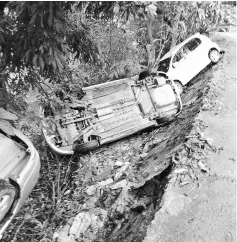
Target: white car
<point>19,169</point>
<point>185,60</point>
<point>110,111</point>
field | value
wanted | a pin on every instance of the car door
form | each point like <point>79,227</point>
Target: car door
<point>197,54</point>
<point>189,61</point>
<point>181,68</point>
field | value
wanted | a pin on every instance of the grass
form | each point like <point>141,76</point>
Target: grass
<point>48,205</point>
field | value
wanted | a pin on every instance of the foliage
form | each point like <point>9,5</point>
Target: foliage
<point>5,25</point>
<point>182,19</point>
<point>119,56</point>
<point>164,24</point>
<point>37,36</point>
<point>93,41</point>
<point>41,36</point>
<point>80,38</point>
<point>50,204</point>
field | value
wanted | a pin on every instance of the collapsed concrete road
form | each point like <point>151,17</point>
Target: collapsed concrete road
<point>205,211</point>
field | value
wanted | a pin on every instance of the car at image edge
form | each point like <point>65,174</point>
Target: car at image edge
<point>19,170</point>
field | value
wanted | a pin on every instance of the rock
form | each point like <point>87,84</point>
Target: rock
<point>90,203</point>
<point>85,220</point>
<point>91,190</point>
<point>64,236</point>
<point>120,172</point>
<point>80,224</point>
<point>143,155</point>
<point>120,205</point>
<point>184,181</point>
<point>146,147</point>
<point>105,183</point>
<point>181,170</point>
<point>202,166</point>
<point>122,183</point>
<point>119,163</point>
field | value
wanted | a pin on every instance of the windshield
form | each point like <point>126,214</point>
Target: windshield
<point>164,65</point>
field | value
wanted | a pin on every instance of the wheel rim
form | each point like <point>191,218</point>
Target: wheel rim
<point>214,55</point>
<point>5,202</point>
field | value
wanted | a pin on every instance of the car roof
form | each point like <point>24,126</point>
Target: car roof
<point>177,47</point>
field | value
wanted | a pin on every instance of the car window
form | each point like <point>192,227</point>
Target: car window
<point>178,56</point>
<point>164,65</point>
<point>186,49</point>
<point>193,44</point>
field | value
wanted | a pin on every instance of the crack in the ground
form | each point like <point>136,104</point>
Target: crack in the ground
<point>133,228</point>
<point>130,206</point>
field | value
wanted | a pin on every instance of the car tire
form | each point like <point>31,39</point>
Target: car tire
<point>214,55</point>
<point>7,195</point>
<point>179,86</point>
<point>167,119</point>
<point>84,147</point>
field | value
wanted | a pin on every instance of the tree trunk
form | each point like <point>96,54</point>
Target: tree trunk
<point>175,31</point>
<point>150,48</point>
<point>3,92</point>
<point>151,55</point>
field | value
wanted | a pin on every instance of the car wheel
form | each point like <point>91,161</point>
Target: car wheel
<point>214,55</point>
<point>166,119</point>
<point>7,195</point>
<point>84,147</point>
<point>179,86</point>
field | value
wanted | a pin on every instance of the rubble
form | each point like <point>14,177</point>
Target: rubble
<point>91,190</point>
<point>120,184</point>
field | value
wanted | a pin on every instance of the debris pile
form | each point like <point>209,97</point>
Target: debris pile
<point>191,160</point>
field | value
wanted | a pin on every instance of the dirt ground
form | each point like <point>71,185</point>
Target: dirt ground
<point>206,211</point>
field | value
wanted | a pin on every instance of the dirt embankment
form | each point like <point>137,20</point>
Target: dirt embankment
<point>204,210</point>
<point>170,139</point>
<point>125,212</point>
<point>121,185</point>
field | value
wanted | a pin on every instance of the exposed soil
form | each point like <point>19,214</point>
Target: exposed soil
<point>173,138</point>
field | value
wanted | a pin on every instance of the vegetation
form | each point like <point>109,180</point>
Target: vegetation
<point>105,40</point>
<point>45,46</point>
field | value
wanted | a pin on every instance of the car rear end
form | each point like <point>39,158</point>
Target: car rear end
<point>167,100</point>
<point>160,100</point>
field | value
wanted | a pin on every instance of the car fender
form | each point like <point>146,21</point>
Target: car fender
<point>215,45</point>
<point>173,77</point>
<point>25,182</point>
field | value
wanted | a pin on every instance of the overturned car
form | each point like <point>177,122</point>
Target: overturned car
<point>110,111</point>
